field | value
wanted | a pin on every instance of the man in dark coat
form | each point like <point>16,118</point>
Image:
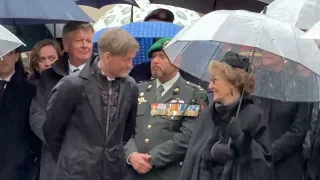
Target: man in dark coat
<point>288,122</point>
<point>77,54</point>
<point>313,172</point>
<point>20,148</point>
<point>93,111</point>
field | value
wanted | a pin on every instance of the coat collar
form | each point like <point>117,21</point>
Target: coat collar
<point>61,66</point>
<point>172,93</point>
<point>93,93</point>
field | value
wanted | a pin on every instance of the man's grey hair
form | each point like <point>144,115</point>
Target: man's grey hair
<point>76,25</point>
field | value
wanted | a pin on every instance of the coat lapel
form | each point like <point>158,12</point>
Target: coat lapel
<point>9,99</point>
<point>61,66</point>
<point>91,90</point>
<point>122,97</point>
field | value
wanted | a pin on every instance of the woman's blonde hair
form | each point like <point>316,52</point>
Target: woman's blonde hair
<point>240,78</point>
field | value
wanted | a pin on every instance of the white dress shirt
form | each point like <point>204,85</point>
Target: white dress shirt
<point>72,67</point>
<point>109,79</point>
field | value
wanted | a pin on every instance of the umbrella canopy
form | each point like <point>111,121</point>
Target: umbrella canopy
<point>8,41</point>
<point>146,30</point>
<point>145,33</point>
<point>101,3</point>
<point>301,13</point>
<point>211,5</point>
<point>313,33</point>
<point>14,12</point>
<point>120,15</point>
<point>195,46</point>
<point>266,1</point>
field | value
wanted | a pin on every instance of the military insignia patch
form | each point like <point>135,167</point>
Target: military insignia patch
<point>165,43</point>
<point>176,91</point>
<point>141,100</point>
<point>174,109</point>
<point>180,101</point>
<point>149,87</point>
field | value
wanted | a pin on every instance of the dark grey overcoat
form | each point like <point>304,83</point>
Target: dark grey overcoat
<point>75,130</point>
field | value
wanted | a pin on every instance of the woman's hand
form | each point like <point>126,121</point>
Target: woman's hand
<point>234,128</point>
<point>221,152</point>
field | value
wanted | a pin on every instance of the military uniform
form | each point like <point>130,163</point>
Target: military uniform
<point>164,128</point>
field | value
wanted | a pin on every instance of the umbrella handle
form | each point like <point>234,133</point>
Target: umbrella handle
<point>242,93</point>
<point>131,14</point>
<point>264,10</point>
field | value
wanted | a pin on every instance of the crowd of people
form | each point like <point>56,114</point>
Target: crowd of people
<point>80,116</point>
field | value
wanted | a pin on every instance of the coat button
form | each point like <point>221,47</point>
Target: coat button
<point>149,126</point>
<point>146,141</point>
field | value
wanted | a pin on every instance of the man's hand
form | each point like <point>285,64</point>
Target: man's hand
<point>140,162</point>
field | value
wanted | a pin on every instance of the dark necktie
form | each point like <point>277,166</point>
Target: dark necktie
<point>2,84</point>
<point>160,90</point>
<point>75,70</point>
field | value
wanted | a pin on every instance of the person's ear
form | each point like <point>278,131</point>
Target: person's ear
<point>107,56</point>
<point>17,56</point>
<point>65,42</point>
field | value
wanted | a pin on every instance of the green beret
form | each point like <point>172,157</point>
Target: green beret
<point>158,46</point>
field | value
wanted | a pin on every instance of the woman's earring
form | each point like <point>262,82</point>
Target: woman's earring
<point>231,93</point>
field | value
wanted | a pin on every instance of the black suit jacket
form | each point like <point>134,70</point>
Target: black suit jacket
<point>20,148</point>
<point>74,129</point>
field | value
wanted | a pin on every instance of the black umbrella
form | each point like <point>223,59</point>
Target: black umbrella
<point>101,3</point>
<point>211,5</point>
<point>266,1</point>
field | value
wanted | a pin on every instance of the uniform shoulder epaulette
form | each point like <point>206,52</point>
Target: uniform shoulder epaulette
<point>199,88</point>
<point>199,95</point>
<point>146,81</point>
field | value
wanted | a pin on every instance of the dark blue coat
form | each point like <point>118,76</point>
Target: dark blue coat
<point>20,148</point>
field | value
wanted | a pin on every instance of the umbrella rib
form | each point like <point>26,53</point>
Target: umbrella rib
<point>296,19</point>
<point>317,78</point>
<point>261,30</point>
<point>42,9</point>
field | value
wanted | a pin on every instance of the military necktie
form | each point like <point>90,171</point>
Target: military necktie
<point>160,90</point>
<point>2,84</point>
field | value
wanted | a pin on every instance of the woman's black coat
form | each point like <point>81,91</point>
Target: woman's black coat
<point>253,158</point>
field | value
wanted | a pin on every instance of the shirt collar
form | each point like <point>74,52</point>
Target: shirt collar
<point>72,67</point>
<point>8,78</point>
<point>167,85</point>
<point>109,79</point>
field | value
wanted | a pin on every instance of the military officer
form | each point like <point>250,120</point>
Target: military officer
<point>166,116</point>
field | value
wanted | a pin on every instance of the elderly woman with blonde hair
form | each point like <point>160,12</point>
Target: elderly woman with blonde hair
<point>226,145</point>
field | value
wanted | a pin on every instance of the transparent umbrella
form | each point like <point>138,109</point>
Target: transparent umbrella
<point>120,15</point>
<point>286,67</point>
<point>301,13</point>
<point>313,33</point>
<point>8,41</point>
